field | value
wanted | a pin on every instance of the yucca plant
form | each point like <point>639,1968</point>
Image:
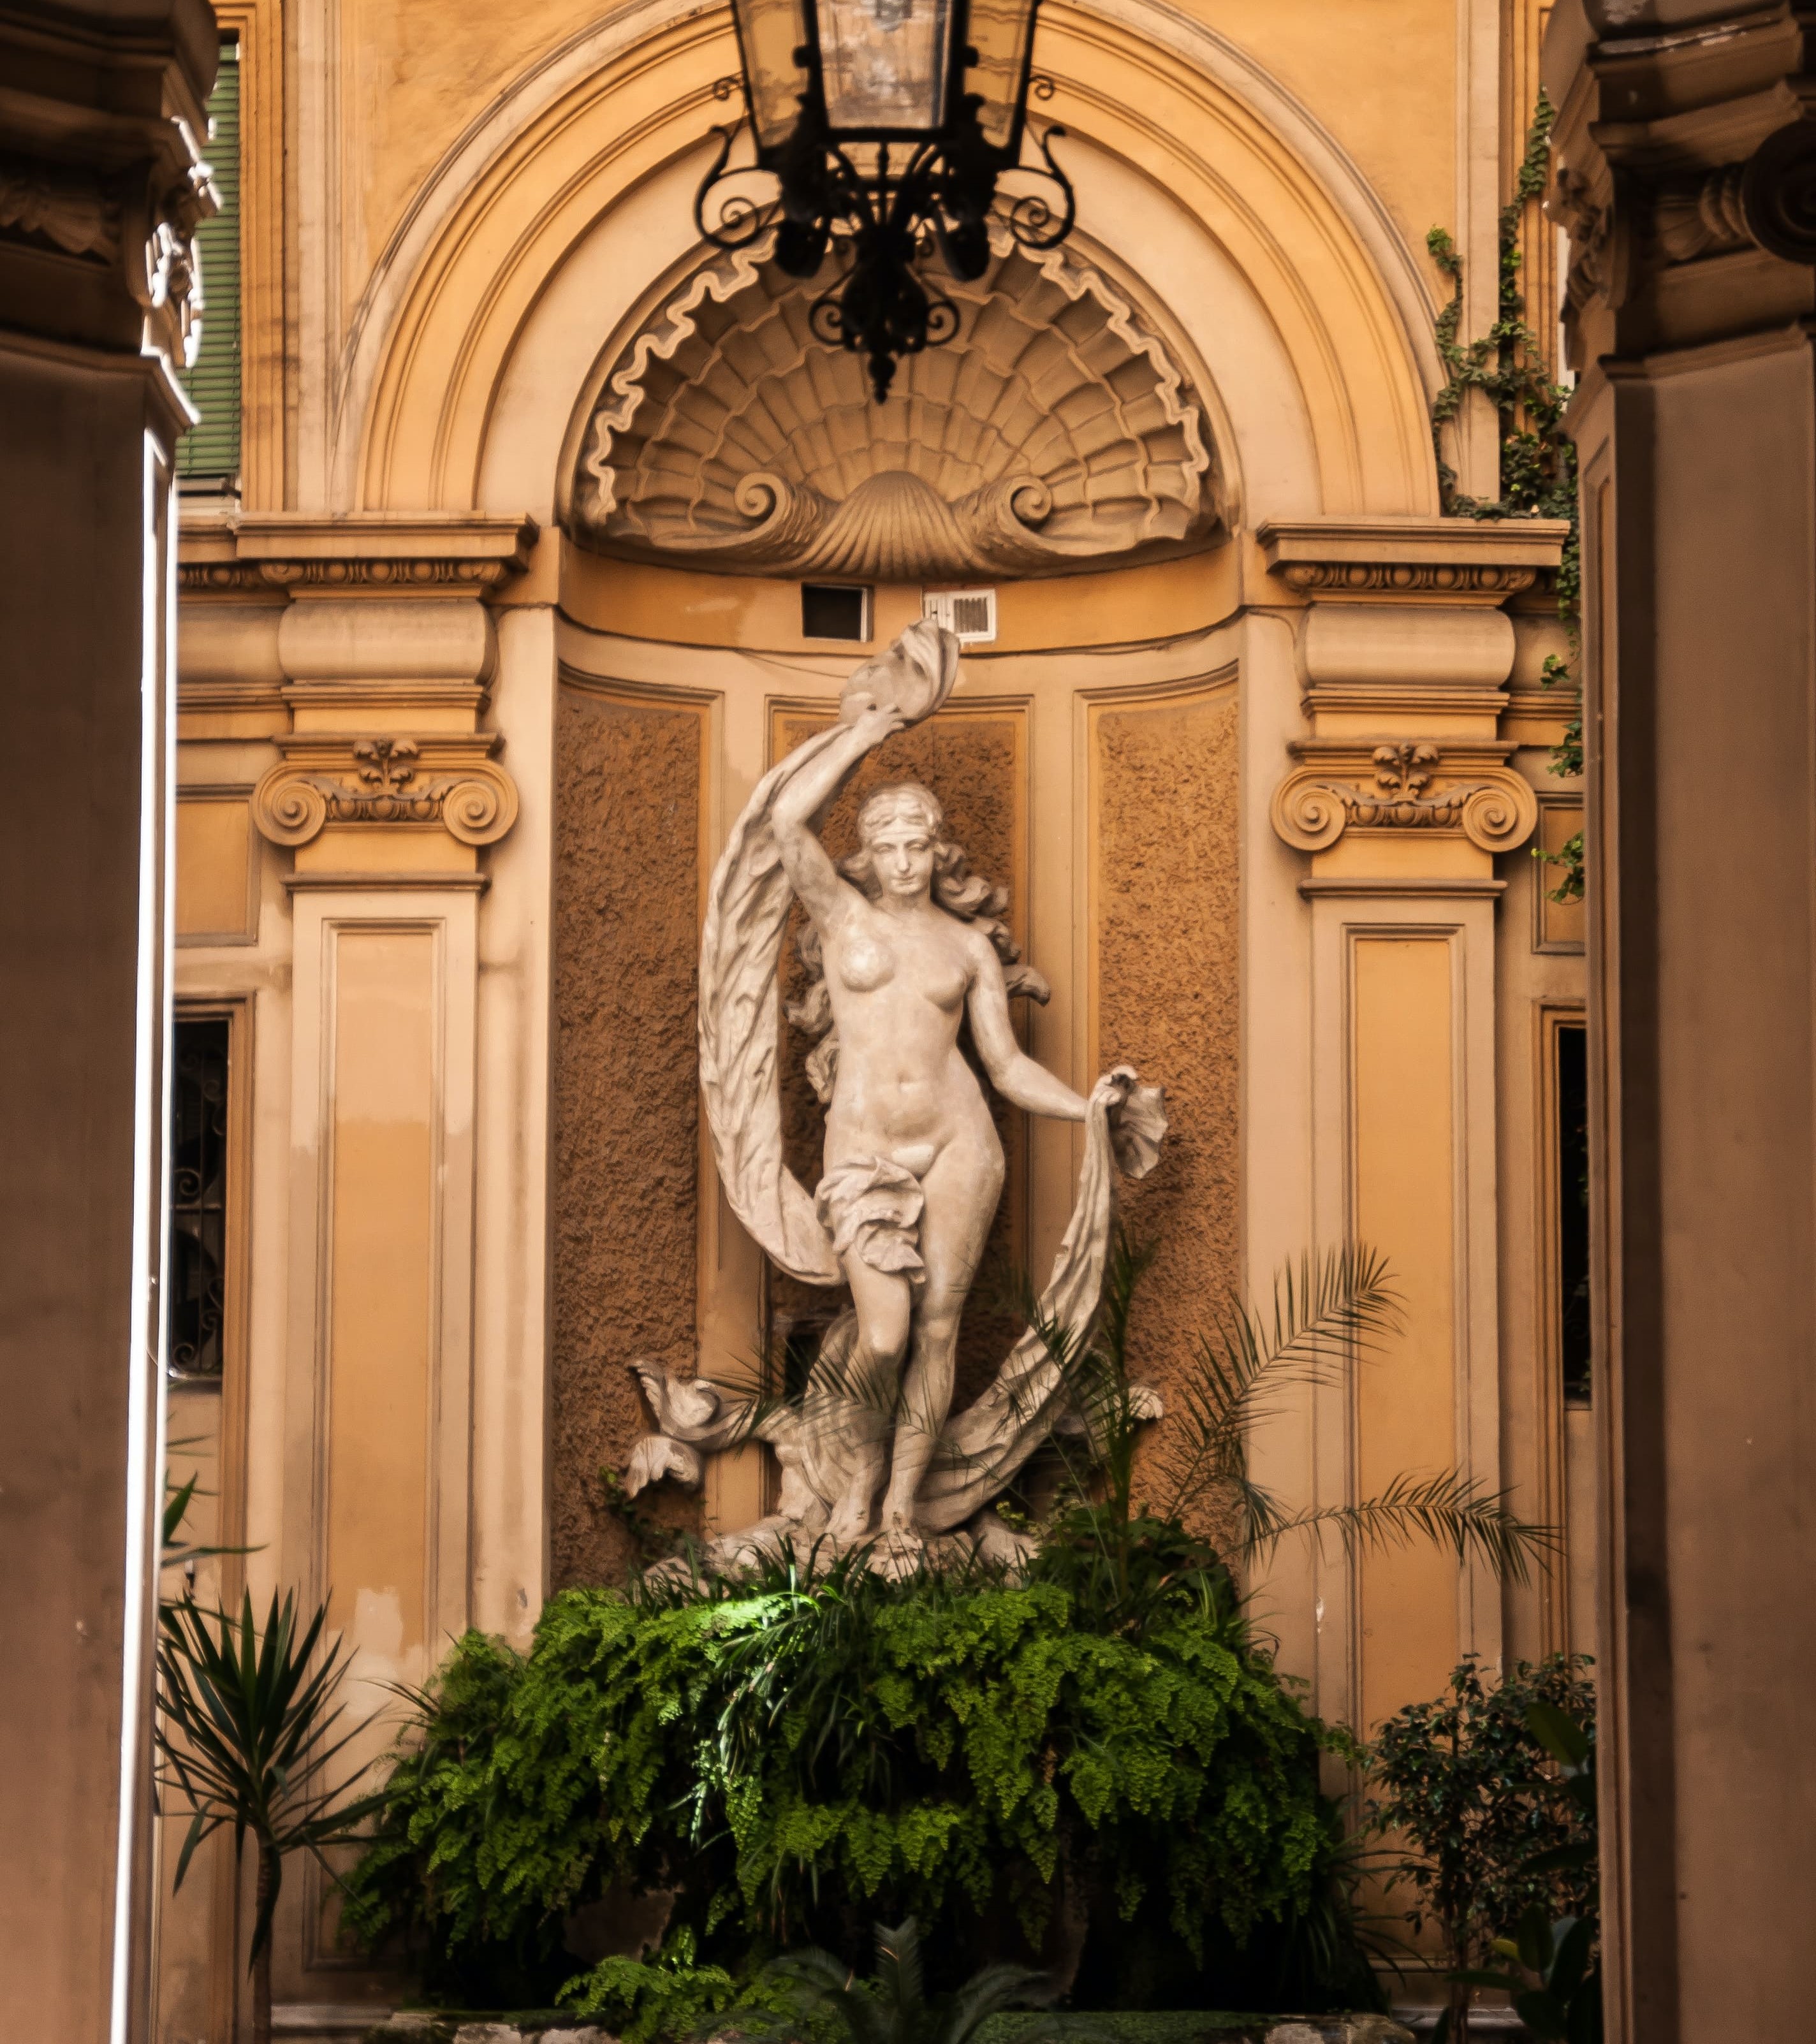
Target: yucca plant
<point>894,2007</point>
<point>249,1725</point>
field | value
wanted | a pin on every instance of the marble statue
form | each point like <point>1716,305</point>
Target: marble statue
<point>905,947</point>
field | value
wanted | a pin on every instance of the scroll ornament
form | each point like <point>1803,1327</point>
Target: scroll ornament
<point>1342,784</point>
<point>327,778</point>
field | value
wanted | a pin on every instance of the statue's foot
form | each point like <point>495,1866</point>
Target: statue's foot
<point>900,1551</point>
<point>848,1524</point>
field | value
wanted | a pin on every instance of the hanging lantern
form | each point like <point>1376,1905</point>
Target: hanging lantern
<point>884,128</point>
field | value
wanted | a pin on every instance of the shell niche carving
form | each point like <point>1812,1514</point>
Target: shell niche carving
<point>1054,431</point>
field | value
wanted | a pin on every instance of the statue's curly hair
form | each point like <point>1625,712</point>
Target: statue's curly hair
<point>956,888</point>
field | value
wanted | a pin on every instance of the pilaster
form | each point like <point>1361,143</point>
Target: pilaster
<point>101,189</point>
<point>343,669</point>
<point>1400,796</point>
<point>1685,169</point>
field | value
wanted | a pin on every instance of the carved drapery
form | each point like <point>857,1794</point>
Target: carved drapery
<point>452,780</point>
<point>1462,786</point>
<point>1056,430</point>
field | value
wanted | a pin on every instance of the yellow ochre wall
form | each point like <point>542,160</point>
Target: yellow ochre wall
<point>468,1127</point>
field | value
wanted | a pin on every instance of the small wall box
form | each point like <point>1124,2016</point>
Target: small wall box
<point>969,612</point>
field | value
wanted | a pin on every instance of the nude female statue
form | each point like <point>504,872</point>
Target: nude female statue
<point>904,946</point>
<point>913,1168</point>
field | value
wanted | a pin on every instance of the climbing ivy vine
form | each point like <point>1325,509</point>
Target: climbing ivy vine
<point>1538,461</point>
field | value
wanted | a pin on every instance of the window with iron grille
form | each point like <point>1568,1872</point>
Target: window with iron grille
<point>196,1277</point>
<point>1572,1043</point>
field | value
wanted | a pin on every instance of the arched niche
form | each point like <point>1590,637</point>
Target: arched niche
<point>1053,431</point>
<point>1197,175</point>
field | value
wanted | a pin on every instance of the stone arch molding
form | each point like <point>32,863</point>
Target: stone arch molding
<point>573,143</point>
<point>1054,429</point>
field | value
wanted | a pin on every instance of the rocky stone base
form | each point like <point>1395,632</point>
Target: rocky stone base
<point>1157,2028</point>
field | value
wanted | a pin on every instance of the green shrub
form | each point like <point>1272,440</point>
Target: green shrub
<point>796,1759</point>
<point>1469,1783</point>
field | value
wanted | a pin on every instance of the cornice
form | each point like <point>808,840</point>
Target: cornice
<point>305,554</point>
<point>1421,560</point>
<point>1363,886</point>
<point>402,884</point>
<point>1389,705</point>
<point>81,87</point>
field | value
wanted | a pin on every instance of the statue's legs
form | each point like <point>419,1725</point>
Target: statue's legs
<point>866,1404</point>
<point>961,1188</point>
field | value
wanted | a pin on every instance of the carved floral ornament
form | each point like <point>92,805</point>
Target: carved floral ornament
<point>1683,213</point>
<point>1342,785</point>
<point>142,222</point>
<point>449,780</point>
<point>1057,428</point>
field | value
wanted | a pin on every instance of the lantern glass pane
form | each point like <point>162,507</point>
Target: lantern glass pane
<point>769,33</point>
<point>998,30</point>
<point>884,65</point>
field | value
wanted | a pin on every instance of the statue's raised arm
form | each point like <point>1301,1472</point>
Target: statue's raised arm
<point>907,944</point>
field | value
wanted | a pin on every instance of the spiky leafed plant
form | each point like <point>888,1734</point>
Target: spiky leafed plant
<point>894,2007</point>
<point>1329,1316</point>
<point>176,1552</point>
<point>248,1728</point>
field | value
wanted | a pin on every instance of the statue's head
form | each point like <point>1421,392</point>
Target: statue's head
<point>901,839</point>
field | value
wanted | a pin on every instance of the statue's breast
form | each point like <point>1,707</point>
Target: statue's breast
<point>864,964</point>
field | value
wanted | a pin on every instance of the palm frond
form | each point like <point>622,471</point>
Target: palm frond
<point>1450,1509</point>
<point>901,1981</point>
<point>985,1993</point>
<point>826,1987</point>
<point>1328,1313</point>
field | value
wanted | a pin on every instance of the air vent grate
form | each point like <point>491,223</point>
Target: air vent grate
<point>970,612</point>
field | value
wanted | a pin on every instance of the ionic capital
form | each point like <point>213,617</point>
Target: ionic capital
<point>449,781</point>
<point>1463,789</point>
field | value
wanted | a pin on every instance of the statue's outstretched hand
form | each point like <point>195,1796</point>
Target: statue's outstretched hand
<point>1138,1119</point>
<point>1114,1088</point>
<point>874,722</point>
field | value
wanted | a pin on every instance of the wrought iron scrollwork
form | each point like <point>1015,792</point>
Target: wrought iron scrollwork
<point>196,1272</point>
<point>881,219</point>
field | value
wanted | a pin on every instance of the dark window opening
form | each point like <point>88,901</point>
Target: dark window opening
<point>208,455</point>
<point>1573,1212</point>
<point>834,610</point>
<point>196,1279</point>
<point>794,1349</point>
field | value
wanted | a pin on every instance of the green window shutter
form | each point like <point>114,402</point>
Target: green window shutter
<point>212,449</point>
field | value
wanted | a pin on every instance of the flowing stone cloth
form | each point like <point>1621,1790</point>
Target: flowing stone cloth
<point>980,1449</point>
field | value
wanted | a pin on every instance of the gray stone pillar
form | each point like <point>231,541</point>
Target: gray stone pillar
<point>100,128</point>
<point>1684,179</point>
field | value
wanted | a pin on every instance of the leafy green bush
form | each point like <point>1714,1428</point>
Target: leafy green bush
<point>1469,1782</point>
<point>797,1757</point>
<point>669,1996</point>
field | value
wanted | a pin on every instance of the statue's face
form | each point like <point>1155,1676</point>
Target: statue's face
<point>901,850</point>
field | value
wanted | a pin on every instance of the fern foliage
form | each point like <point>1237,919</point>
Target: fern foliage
<point>790,1752</point>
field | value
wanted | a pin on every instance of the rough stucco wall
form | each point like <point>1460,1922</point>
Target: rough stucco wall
<point>626,1162</point>
<point>972,764</point>
<point>1166,902</point>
